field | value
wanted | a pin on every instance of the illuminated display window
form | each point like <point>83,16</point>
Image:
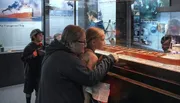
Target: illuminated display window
<point>17,19</point>
<point>129,23</point>
<point>149,25</point>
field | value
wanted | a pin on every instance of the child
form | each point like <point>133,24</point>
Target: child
<point>95,40</point>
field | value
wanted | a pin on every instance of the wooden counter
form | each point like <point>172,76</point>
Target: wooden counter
<point>143,77</point>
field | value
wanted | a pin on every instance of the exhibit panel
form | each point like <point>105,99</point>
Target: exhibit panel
<point>17,19</point>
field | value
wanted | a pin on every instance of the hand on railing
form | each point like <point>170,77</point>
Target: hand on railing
<point>116,57</point>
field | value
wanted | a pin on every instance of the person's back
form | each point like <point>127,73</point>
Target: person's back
<point>56,86</point>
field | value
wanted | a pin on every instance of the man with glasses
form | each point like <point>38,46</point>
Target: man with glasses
<point>63,72</point>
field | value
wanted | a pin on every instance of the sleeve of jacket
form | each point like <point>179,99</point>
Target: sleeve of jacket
<point>27,54</point>
<point>81,75</point>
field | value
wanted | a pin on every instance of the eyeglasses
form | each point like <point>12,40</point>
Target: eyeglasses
<point>82,42</point>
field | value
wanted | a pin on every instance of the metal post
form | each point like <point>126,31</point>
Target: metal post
<point>128,26</point>
<point>43,20</point>
<point>75,12</point>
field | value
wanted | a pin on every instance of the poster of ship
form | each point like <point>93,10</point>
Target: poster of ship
<point>20,10</point>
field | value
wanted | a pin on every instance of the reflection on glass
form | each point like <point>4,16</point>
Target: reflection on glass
<point>149,25</point>
<point>61,15</point>
<point>101,14</point>
<point>173,32</point>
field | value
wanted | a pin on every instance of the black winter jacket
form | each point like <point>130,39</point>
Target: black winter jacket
<point>32,64</point>
<point>64,74</point>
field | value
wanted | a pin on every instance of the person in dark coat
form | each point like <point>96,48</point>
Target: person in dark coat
<point>32,57</point>
<point>63,72</point>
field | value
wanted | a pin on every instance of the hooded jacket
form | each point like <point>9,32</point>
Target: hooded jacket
<point>64,74</point>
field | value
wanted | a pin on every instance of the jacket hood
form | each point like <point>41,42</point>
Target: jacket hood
<point>56,46</point>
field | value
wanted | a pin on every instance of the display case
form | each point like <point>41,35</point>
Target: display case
<point>148,49</point>
<point>153,76</point>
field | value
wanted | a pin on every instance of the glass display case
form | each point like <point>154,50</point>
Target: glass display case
<point>65,12</point>
<point>149,25</point>
<point>169,22</point>
<point>149,35</point>
<point>148,58</point>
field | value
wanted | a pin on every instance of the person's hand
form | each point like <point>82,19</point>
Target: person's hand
<point>35,53</point>
<point>116,57</point>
